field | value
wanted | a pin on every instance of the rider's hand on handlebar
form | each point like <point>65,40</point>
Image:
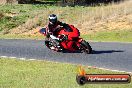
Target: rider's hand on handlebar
<point>64,38</point>
<point>48,34</point>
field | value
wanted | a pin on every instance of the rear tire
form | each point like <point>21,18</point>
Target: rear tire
<point>85,47</point>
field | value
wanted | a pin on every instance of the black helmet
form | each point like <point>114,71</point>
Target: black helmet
<point>52,19</point>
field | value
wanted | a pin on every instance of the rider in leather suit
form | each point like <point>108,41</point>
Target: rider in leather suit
<point>52,28</point>
<point>54,23</point>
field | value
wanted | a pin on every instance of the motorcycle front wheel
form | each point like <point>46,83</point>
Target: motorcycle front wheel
<point>85,47</point>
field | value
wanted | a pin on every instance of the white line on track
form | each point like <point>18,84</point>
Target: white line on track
<point>3,56</point>
<point>22,58</point>
<point>66,63</point>
<point>113,70</point>
<point>12,57</point>
<point>31,59</point>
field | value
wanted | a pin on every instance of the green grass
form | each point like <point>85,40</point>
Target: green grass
<point>12,36</point>
<point>110,36</point>
<point>42,74</point>
<point>78,15</point>
<point>23,13</point>
<point>84,18</point>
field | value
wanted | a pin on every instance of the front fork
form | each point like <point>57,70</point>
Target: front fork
<point>79,42</point>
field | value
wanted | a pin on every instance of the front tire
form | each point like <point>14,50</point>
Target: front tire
<point>85,47</point>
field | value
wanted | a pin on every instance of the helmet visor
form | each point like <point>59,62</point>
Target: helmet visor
<point>53,20</point>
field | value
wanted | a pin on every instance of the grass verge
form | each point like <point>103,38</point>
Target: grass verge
<point>102,36</point>
<point>21,19</point>
<point>42,74</point>
<point>110,36</point>
<point>13,36</point>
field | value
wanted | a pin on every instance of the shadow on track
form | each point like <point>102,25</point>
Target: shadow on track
<point>96,52</point>
<point>66,51</point>
<point>106,51</point>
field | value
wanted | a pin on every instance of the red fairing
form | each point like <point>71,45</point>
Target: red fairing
<point>68,45</point>
<point>80,39</point>
<point>74,34</point>
<point>71,35</point>
<point>73,40</point>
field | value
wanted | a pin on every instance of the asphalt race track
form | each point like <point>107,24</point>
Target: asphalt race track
<point>106,55</point>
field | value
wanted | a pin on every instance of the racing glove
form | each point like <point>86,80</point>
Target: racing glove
<point>64,38</point>
<point>48,35</point>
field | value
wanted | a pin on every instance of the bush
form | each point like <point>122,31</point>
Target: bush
<point>11,1</point>
<point>25,1</point>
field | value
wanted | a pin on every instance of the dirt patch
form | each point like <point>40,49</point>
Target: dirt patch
<point>26,27</point>
<point>88,19</point>
<point>121,23</point>
<point>1,15</point>
<point>11,14</point>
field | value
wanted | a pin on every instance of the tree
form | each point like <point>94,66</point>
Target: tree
<point>74,2</point>
<point>25,1</point>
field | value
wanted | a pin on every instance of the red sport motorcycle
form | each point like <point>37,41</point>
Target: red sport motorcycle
<point>66,41</point>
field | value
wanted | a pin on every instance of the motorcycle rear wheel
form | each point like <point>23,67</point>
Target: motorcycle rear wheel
<point>52,45</point>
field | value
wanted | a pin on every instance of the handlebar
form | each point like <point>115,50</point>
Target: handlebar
<point>53,37</point>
